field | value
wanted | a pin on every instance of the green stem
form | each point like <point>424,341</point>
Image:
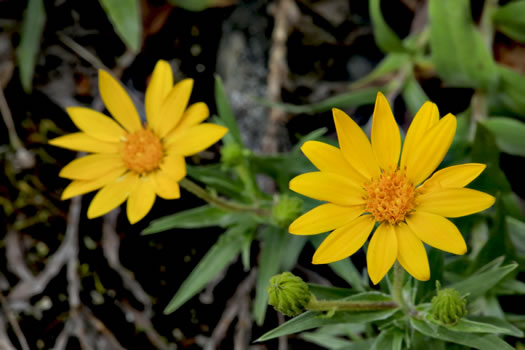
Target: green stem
<point>200,192</point>
<point>398,288</point>
<point>341,305</point>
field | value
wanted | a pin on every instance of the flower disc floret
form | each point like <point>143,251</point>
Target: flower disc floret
<point>142,151</point>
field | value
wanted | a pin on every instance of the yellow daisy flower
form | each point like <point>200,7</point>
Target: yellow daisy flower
<point>130,160</point>
<point>365,184</point>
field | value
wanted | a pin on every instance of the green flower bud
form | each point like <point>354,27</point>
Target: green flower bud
<point>288,294</point>
<point>232,155</point>
<point>448,306</point>
<point>286,210</point>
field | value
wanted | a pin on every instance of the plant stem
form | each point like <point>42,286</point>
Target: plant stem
<point>341,305</point>
<point>200,192</point>
<point>398,288</point>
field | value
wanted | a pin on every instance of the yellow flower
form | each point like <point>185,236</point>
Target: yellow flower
<point>365,184</point>
<point>130,160</point>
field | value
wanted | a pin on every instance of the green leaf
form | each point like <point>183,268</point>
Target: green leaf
<point>328,292</point>
<point>213,176</point>
<point>327,341</point>
<point>509,96</point>
<point>509,134</point>
<point>480,282</point>
<point>310,319</point>
<point>226,113</point>
<point>413,95</point>
<point>482,324</point>
<point>389,65</point>
<point>205,216</point>
<point>294,247</point>
<point>220,255</point>
<point>274,239</point>
<point>458,50</point>
<point>510,19</point>
<point>125,17</point>
<point>391,339</point>
<point>27,51</point>
<point>477,341</point>
<point>516,230</point>
<point>427,288</point>
<point>386,39</point>
<point>192,5</point>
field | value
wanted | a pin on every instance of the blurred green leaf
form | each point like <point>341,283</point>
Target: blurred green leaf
<point>386,39</point>
<point>477,341</point>
<point>214,177</point>
<point>327,341</point>
<point>226,113</point>
<point>510,19</point>
<point>413,95</point>
<point>293,249</point>
<point>509,133</point>
<point>220,255</point>
<point>274,240</point>
<point>509,95</point>
<point>328,292</point>
<point>310,319</point>
<point>516,230</point>
<point>125,17</point>
<point>458,50</point>
<point>428,288</point>
<point>485,325</point>
<point>392,339</point>
<point>389,65</point>
<point>27,51</point>
<point>192,5</point>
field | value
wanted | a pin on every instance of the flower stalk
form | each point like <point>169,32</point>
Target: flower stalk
<point>349,305</point>
<point>397,291</point>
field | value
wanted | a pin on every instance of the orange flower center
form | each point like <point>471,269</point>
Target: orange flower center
<point>391,197</point>
<point>142,151</point>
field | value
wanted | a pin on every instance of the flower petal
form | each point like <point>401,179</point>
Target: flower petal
<point>174,166</point>
<point>166,187</point>
<point>195,139</point>
<point>355,145</point>
<point>328,158</point>
<point>173,108</point>
<point>323,218</point>
<point>141,199</point>
<point>382,252</point>
<point>437,232</point>
<point>82,142</point>
<point>455,176</point>
<point>79,187</point>
<point>328,187</point>
<point>91,166</point>
<point>425,156</point>
<point>194,115</point>
<point>386,139</point>
<point>411,253</point>
<point>160,85</point>
<point>118,102</point>
<point>344,241</point>
<point>112,195</point>
<point>96,124</point>
<point>454,202</point>
<point>425,119</point>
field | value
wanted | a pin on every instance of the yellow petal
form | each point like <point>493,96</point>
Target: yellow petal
<point>386,139</point>
<point>328,187</point>
<point>454,202</point>
<point>173,108</point>
<point>425,156</point>
<point>330,159</point>
<point>82,142</point>
<point>426,118</point>
<point>344,241</point>
<point>79,187</point>
<point>174,166</point>
<point>112,195</point>
<point>118,102</point>
<point>141,199</point>
<point>355,145</point>
<point>455,176</point>
<point>194,115</point>
<point>92,166</point>
<point>411,253</point>
<point>165,187</point>
<point>96,124</point>
<point>382,252</point>
<point>437,232</point>
<point>195,139</point>
<point>323,218</point>
<point>160,85</point>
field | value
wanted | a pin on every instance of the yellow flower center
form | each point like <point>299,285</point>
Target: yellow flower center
<point>391,197</point>
<point>142,151</point>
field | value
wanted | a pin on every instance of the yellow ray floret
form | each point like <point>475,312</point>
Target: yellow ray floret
<point>380,184</point>
<point>131,161</point>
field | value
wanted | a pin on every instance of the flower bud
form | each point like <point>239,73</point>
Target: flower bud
<point>287,209</point>
<point>448,306</point>
<point>288,294</point>
<point>232,155</point>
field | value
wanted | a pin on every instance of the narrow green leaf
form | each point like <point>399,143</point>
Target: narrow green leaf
<point>510,19</point>
<point>192,5</point>
<point>310,319</point>
<point>386,39</point>
<point>413,95</point>
<point>509,134</point>
<point>327,341</point>
<point>482,324</point>
<point>388,66</point>
<point>274,239</point>
<point>330,293</point>
<point>27,51</point>
<point>391,339</point>
<point>516,230</point>
<point>509,95</point>
<point>226,113</point>
<point>213,176</point>
<point>294,247</point>
<point>458,50</point>
<point>220,255</point>
<point>125,17</point>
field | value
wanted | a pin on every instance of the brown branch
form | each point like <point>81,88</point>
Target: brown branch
<point>11,317</point>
